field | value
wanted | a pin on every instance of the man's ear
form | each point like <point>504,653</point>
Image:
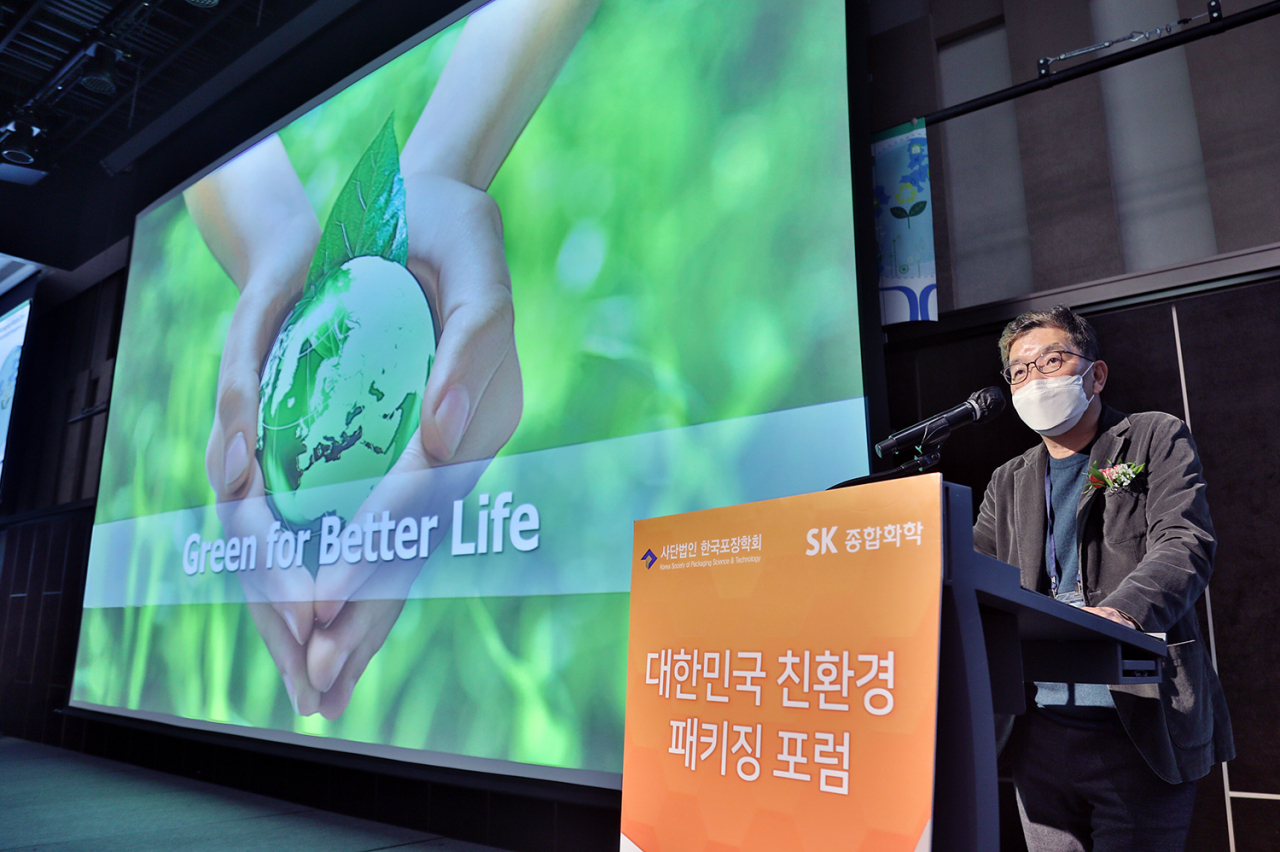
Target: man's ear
<point>1099,376</point>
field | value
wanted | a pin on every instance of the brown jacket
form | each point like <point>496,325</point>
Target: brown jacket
<point>1146,550</point>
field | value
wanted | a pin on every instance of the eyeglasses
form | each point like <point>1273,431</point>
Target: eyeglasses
<point>1047,364</point>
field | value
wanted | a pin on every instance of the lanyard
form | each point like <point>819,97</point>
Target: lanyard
<point>1074,597</point>
<point>1051,564</point>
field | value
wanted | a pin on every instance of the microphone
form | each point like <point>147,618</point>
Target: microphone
<point>980,407</point>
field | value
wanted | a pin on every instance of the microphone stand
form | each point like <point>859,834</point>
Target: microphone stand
<point>981,405</point>
<point>928,456</point>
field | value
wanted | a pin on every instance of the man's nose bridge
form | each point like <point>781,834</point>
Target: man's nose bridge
<point>1036,367</point>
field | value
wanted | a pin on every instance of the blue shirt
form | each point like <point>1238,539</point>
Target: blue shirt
<point>1070,702</point>
<point>1066,483</point>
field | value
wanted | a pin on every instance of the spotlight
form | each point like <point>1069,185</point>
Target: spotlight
<point>18,145</point>
<point>98,74</point>
<point>203,4</point>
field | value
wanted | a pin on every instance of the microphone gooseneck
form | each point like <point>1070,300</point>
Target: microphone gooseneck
<point>980,407</point>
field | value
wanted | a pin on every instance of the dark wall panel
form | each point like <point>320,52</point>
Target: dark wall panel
<point>61,400</point>
<point>1209,820</point>
<point>901,63</point>
<point>1138,347</point>
<point>953,19</point>
<point>1257,824</point>
<point>1226,340</point>
<point>946,294</point>
<point>41,563</point>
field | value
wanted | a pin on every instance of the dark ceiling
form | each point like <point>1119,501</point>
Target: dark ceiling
<point>163,50</point>
<point>188,83</point>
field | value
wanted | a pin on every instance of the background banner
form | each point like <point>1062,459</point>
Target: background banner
<point>904,224</point>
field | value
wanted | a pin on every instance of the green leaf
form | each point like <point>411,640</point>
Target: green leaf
<point>368,218</point>
<point>898,212</point>
<point>918,208</point>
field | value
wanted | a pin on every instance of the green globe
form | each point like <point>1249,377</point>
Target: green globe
<point>342,389</point>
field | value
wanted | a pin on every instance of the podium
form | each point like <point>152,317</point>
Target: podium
<point>994,637</point>
<point>854,651</point>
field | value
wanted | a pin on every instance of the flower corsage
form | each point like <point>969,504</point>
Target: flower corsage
<point>1116,476</point>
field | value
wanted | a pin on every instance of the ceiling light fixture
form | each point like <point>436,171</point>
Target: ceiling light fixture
<point>98,74</point>
<point>203,4</point>
<point>18,143</point>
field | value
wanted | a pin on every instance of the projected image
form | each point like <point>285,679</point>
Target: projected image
<point>394,383</point>
<point>13,331</point>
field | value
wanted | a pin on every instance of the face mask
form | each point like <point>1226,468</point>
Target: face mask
<point>1052,406</point>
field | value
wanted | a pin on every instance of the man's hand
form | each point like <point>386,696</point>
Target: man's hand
<point>1112,615</point>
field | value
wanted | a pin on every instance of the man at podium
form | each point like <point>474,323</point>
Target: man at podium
<point>1108,514</point>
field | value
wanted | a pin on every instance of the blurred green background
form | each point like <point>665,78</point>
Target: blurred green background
<point>678,225</point>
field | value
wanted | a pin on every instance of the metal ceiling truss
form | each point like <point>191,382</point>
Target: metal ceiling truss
<point>77,76</point>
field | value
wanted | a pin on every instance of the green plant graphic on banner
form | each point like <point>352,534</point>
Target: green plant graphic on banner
<point>334,407</point>
<point>367,220</point>
<point>916,209</point>
<point>908,273</point>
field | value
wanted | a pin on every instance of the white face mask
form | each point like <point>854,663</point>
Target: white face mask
<point>1052,406</point>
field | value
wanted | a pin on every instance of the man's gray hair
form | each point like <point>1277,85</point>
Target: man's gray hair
<point>1083,338</point>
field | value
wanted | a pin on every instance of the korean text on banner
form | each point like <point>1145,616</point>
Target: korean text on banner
<point>782,673</point>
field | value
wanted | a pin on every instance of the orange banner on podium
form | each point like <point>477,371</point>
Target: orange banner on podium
<point>782,674</point>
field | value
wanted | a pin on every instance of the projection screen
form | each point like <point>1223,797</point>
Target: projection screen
<point>394,381</point>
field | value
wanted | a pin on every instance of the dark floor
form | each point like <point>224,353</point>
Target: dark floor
<point>52,799</point>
